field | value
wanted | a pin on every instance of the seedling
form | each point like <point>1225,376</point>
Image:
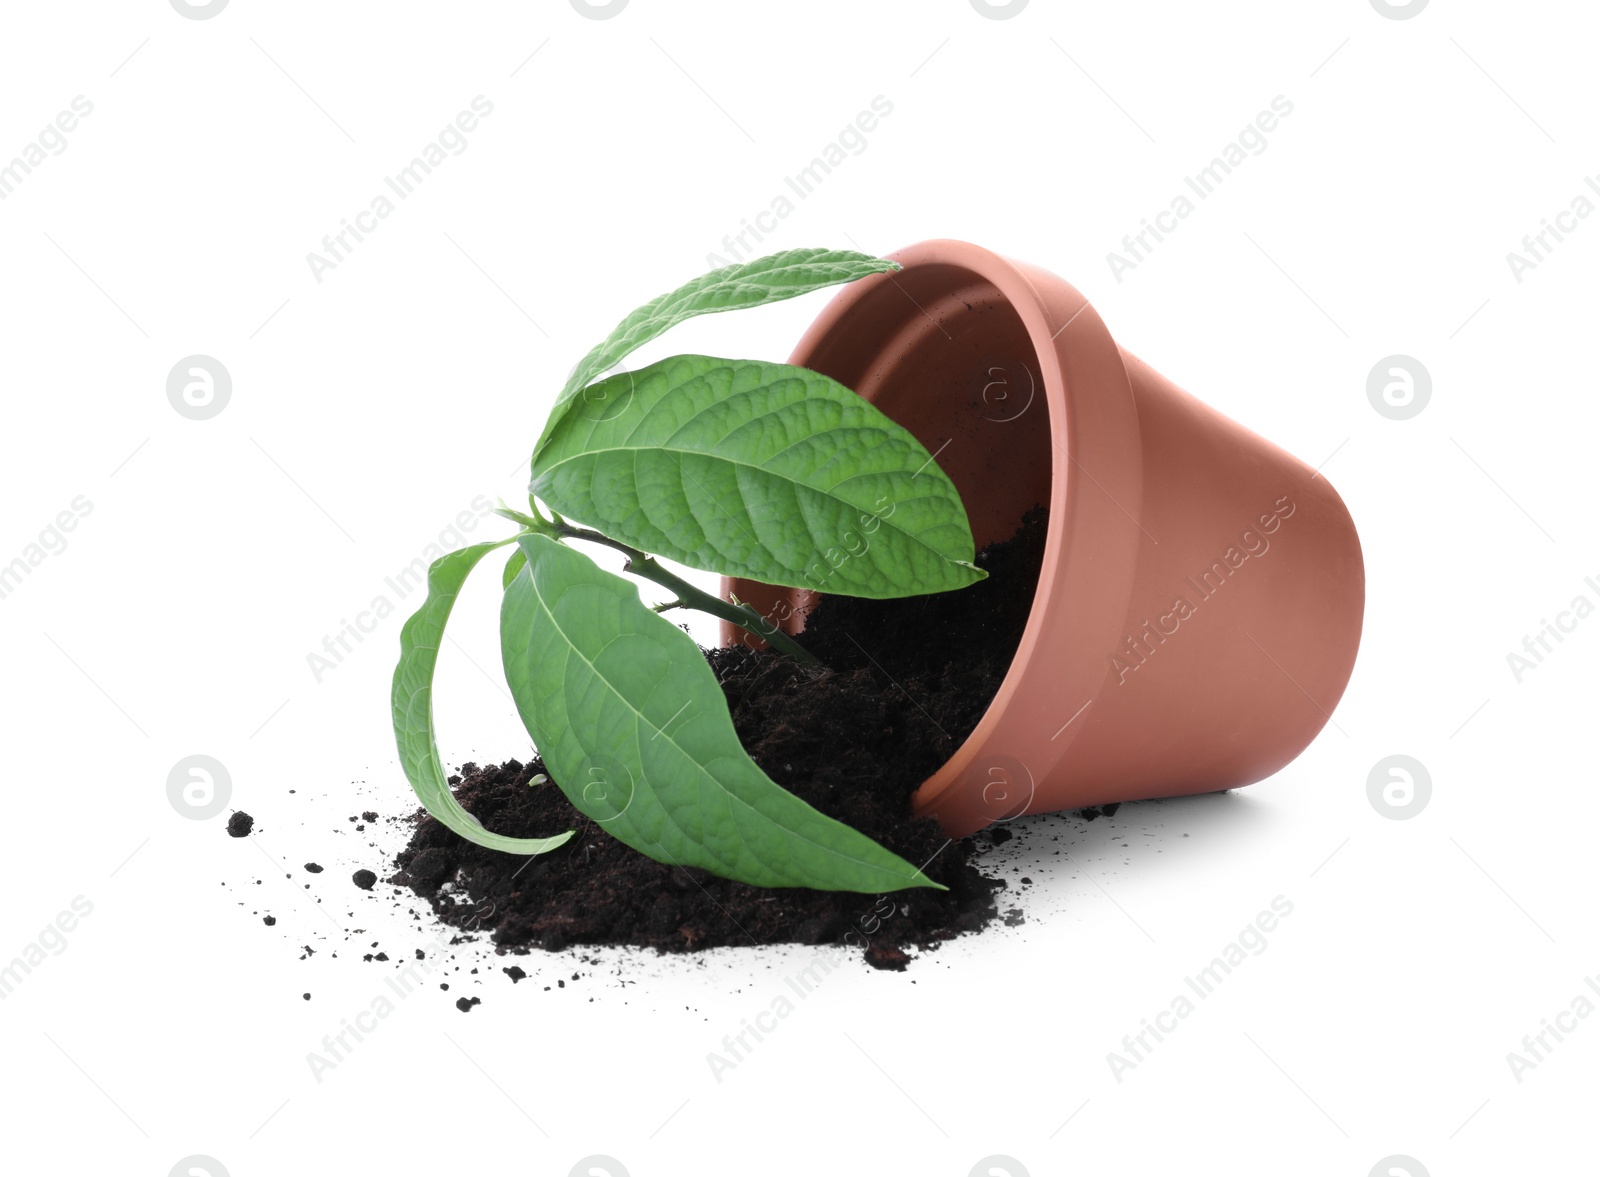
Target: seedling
<point>738,467</point>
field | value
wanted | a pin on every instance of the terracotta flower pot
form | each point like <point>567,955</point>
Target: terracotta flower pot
<point>1200,603</point>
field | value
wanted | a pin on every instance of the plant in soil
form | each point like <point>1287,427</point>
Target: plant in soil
<point>739,467</point>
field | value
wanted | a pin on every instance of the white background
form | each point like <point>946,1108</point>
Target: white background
<point>372,406</point>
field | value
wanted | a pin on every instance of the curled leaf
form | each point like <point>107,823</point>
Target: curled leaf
<point>411,699</point>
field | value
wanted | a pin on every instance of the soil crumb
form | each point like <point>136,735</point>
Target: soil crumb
<point>240,824</point>
<point>903,684</point>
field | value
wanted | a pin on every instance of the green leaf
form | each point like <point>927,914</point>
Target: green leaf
<point>635,730</point>
<point>412,700</point>
<point>513,566</point>
<point>746,284</point>
<point>762,470</point>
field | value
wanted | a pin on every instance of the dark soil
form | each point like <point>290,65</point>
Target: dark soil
<point>240,824</point>
<point>364,879</point>
<point>905,682</point>
<point>1092,812</point>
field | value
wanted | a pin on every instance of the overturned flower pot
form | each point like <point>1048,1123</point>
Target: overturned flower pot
<point>1200,603</point>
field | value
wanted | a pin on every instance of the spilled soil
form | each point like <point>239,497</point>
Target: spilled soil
<point>904,683</point>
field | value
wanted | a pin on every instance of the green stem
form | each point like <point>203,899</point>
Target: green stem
<point>541,525</point>
<point>688,595</point>
<point>743,616</point>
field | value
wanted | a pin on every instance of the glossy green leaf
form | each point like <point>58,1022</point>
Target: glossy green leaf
<point>762,470</point>
<point>412,701</point>
<point>513,566</point>
<point>746,284</point>
<point>634,728</point>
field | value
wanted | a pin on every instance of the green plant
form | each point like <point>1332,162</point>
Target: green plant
<point>738,467</point>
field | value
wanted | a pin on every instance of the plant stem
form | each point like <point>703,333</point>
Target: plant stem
<point>541,524</point>
<point>691,597</point>
<point>688,596</point>
<point>743,616</point>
